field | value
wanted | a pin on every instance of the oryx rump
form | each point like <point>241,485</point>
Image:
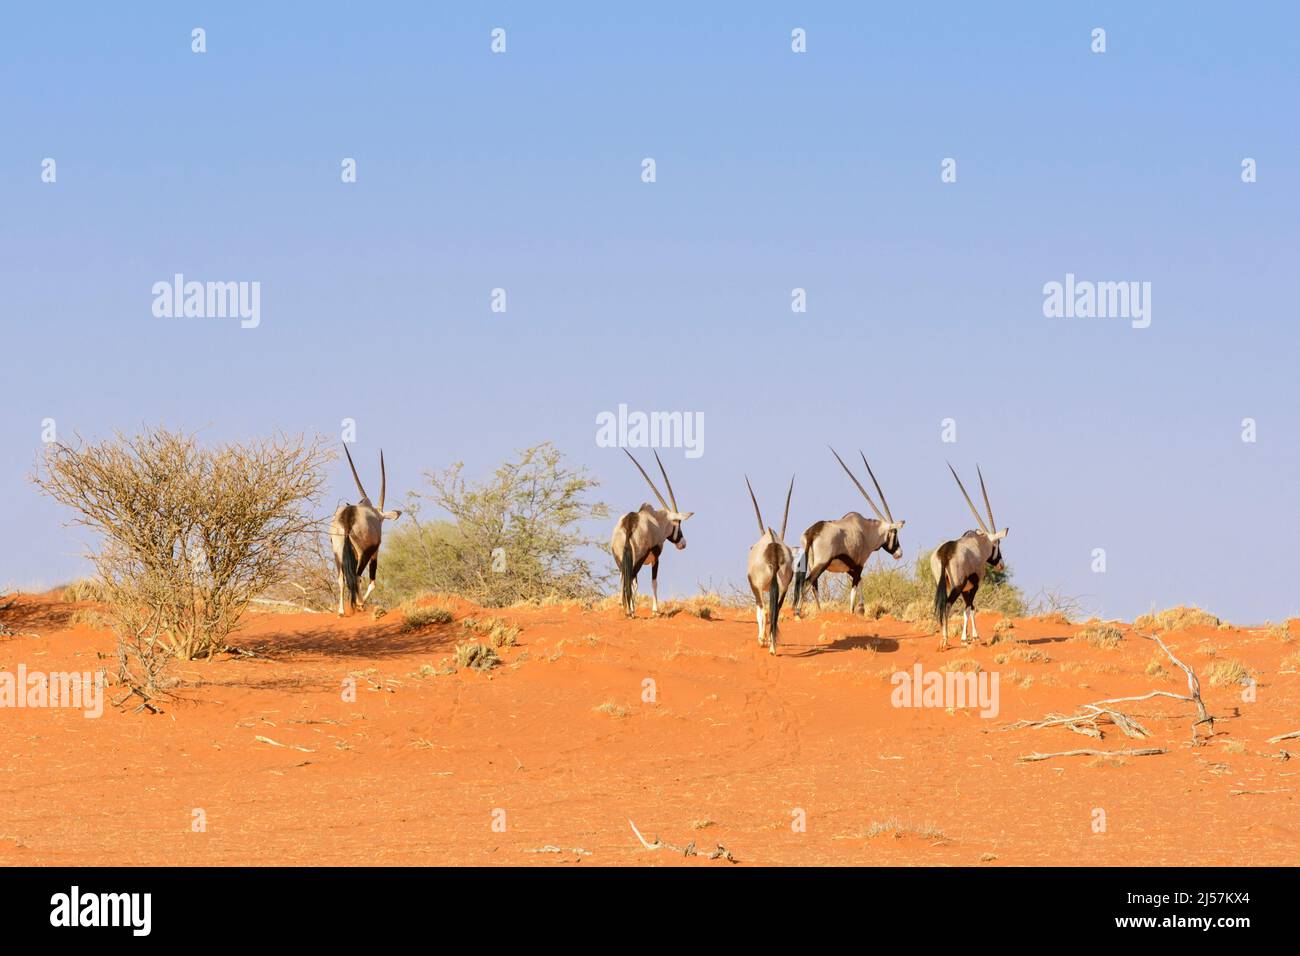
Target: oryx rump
<point>959,566</point>
<point>771,566</point>
<point>845,544</point>
<point>639,539</point>
<point>354,537</point>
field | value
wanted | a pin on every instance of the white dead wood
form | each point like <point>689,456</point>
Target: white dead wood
<point>1086,722</point>
<point>689,850</point>
<point>276,743</point>
<point>1291,736</point>
<point>1141,752</point>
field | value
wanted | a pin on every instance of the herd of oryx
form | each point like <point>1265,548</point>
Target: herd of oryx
<point>842,545</point>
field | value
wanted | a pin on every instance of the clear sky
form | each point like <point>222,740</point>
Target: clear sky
<point>775,170</point>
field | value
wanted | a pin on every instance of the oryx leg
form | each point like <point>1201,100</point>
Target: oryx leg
<point>342,586</point>
<point>758,613</point>
<point>970,612</point>
<point>654,588</point>
<point>374,565</point>
<point>812,583</point>
<point>855,577</point>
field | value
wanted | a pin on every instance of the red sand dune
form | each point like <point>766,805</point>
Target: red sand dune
<point>413,770</point>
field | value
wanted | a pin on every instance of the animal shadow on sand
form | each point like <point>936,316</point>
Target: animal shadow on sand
<point>380,641</point>
<point>850,642</point>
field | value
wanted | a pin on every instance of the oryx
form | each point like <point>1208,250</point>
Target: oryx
<point>639,539</point>
<point>354,537</point>
<point>845,545</point>
<point>771,565</point>
<point>959,565</point>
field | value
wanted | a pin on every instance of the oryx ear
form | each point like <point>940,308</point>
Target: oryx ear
<point>679,516</point>
<point>899,524</point>
<point>391,515</point>
<point>999,535</point>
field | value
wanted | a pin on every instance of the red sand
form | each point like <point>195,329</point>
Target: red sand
<point>414,770</point>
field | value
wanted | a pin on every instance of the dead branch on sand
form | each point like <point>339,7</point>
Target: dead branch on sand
<point>689,850</point>
<point>1280,737</point>
<point>1086,722</point>
<point>1142,752</point>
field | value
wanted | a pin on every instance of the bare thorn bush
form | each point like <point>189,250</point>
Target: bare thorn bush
<point>190,535</point>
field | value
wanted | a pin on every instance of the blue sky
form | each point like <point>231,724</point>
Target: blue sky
<point>775,170</point>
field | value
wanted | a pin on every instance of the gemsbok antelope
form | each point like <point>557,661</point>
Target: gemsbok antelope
<point>354,538</point>
<point>844,545</point>
<point>959,565</point>
<point>639,539</point>
<point>771,565</point>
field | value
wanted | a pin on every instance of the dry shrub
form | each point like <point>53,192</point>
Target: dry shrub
<point>190,534</point>
<point>84,589</point>
<point>1176,619</point>
<point>1156,668</point>
<point>415,618</point>
<point>1226,672</point>
<point>1100,636</point>
<point>498,632</point>
<point>89,617</point>
<point>475,656</point>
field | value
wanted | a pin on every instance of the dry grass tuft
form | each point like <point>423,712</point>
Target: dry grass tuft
<point>498,632</point>
<point>611,709</point>
<point>477,657</point>
<point>1176,619</point>
<point>85,589</point>
<point>1227,671</point>
<point>415,618</point>
<point>1100,636</point>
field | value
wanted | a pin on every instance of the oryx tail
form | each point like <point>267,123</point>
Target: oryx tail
<point>625,560</point>
<point>351,576</point>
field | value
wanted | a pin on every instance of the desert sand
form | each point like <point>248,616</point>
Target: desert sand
<point>735,750</point>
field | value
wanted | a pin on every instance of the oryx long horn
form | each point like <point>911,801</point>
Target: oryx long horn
<point>383,482</point>
<point>671,497</point>
<point>647,480</point>
<point>858,483</point>
<point>993,525</point>
<point>889,514</point>
<point>970,503</point>
<point>758,514</point>
<point>786,517</point>
<point>355,476</point>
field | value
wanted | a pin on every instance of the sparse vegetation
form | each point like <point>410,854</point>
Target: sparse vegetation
<point>476,656</point>
<point>421,616</point>
<point>498,632</point>
<point>1225,672</point>
<point>512,538</point>
<point>1175,619</point>
<point>611,709</point>
<point>190,535</point>
<point>83,589</point>
<point>1100,635</point>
